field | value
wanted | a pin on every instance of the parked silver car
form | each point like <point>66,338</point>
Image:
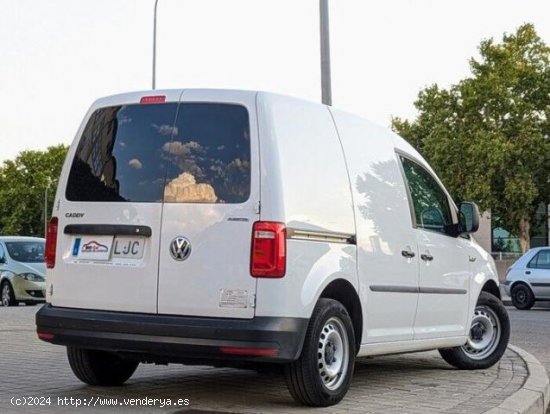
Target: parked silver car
<point>22,270</point>
<point>528,279</point>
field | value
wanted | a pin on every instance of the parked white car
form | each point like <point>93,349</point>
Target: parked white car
<point>22,270</point>
<point>528,279</point>
<point>215,226</point>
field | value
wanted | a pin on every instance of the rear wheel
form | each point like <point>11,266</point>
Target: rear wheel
<point>322,375</point>
<point>488,339</point>
<point>7,295</point>
<point>100,367</point>
<point>522,297</point>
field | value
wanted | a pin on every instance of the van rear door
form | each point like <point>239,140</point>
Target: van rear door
<point>211,201</point>
<point>109,205</point>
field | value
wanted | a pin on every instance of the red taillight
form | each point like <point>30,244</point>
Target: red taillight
<point>259,352</point>
<point>268,256</point>
<point>45,336</point>
<point>51,243</point>
<point>152,99</point>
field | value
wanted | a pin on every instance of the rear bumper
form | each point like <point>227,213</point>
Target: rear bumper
<point>166,338</point>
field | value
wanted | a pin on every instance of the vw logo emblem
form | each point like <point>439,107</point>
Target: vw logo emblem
<point>180,248</point>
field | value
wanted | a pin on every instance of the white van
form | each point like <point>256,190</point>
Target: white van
<point>222,227</point>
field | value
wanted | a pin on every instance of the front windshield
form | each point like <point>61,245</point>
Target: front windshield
<point>26,251</point>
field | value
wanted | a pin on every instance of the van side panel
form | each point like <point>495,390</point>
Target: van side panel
<point>304,178</point>
<point>388,280</point>
<point>304,184</point>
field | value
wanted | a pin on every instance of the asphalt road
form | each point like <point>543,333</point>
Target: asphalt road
<point>531,331</point>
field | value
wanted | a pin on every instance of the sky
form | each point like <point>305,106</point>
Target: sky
<point>58,56</point>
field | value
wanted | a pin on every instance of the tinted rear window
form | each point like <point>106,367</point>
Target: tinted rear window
<point>142,153</point>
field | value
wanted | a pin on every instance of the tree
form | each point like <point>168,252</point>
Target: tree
<point>23,183</point>
<point>488,136</point>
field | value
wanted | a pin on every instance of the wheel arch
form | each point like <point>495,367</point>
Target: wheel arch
<point>7,281</point>
<point>344,292</point>
<point>485,279</point>
<point>491,287</point>
<point>520,282</point>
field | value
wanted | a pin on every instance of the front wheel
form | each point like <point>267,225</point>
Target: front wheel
<point>100,367</point>
<point>488,339</point>
<point>8,297</point>
<point>322,375</point>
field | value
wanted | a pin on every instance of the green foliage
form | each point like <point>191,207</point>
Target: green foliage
<point>488,136</point>
<point>23,182</point>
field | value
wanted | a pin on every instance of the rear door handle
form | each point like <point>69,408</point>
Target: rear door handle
<point>426,257</point>
<point>407,253</point>
<point>528,272</point>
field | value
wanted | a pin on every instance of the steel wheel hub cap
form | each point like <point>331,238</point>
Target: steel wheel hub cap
<point>484,333</point>
<point>333,353</point>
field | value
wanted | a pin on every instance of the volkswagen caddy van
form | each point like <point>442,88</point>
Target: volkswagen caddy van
<point>225,227</point>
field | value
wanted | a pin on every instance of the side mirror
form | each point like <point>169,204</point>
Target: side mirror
<point>2,259</point>
<point>468,217</point>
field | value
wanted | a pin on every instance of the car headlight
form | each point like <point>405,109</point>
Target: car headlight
<point>31,277</point>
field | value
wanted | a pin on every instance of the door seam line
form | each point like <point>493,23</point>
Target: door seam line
<point>162,204</point>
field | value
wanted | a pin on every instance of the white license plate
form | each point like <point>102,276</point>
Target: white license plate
<point>108,247</point>
<point>128,247</point>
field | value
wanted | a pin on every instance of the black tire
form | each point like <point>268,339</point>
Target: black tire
<point>522,297</point>
<point>303,377</point>
<point>7,296</point>
<point>466,357</point>
<point>100,367</point>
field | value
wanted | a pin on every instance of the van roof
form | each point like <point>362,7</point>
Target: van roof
<point>237,94</point>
